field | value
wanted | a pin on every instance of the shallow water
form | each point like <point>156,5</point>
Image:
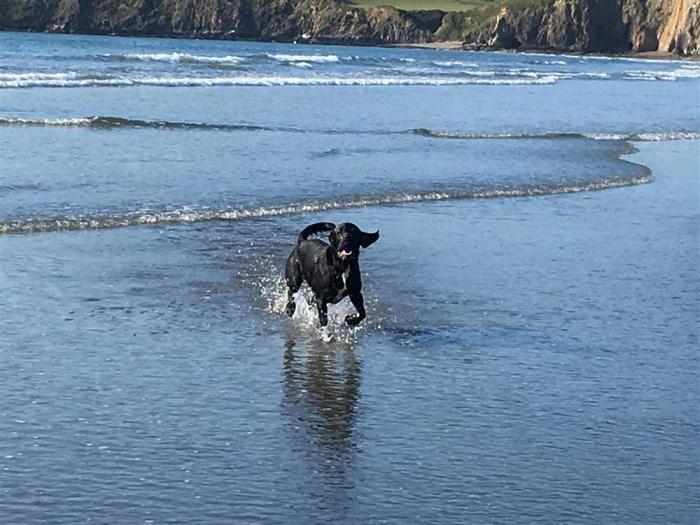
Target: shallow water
<point>530,353</point>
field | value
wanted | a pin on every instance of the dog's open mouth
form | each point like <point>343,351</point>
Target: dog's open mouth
<point>345,250</point>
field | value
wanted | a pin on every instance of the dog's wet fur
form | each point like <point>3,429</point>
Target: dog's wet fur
<point>331,270</point>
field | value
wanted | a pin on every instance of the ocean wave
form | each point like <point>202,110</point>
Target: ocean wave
<point>178,57</point>
<point>604,58</point>
<point>189,215</point>
<point>100,122</point>
<point>672,75</point>
<point>634,137</point>
<point>466,135</point>
<point>563,75</point>
<point>68,80</point>
<point>67,122</point>
<point>661,136</point>
<point>110,123</point>
<point>454,63</point>
<point>303,58</point>
<point>400,77</point>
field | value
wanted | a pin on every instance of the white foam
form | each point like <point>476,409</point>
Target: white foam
<point>671,75</point>
<point>528,73</point>
<point>58,79</point>
<point>676,135</point>
<point>303,58</point>
<point>454,63</point>
<point>639,137</point>
<point>10,80</point>
<point>606,136</point>
<point>78,121</point>
<point>564,75</point>
<point>645,137</point>
<point>603,58</point>
<point>182,57</point>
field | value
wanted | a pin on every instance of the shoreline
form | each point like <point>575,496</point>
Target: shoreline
<point>456,45</point>
<point>447,45</point>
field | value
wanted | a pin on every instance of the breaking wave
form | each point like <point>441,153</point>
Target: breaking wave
<point>602,58</point>
<point>303,58</point>
<point>437,73</point>
<point>100,122</point>
<point>72,79</point>
<point>455,63</point>
<point>634,137</point>
<point>190,215</point>
<point>178,57</point>
<point>109,123</point>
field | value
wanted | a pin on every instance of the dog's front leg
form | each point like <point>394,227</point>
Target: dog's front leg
<point>322,307</point>
<point>359,303</point>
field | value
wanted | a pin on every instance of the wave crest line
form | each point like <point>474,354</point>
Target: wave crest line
<point>185,216</point>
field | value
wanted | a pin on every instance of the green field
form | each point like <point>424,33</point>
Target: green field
<point>477,7</point>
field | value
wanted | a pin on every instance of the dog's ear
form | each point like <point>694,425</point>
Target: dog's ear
<point>366,239</point>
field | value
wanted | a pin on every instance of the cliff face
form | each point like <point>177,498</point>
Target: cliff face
<point>597,26</point>
<point>565,25</point>
<point>284,20</point>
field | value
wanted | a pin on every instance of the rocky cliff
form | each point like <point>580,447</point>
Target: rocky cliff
<point>565,25</point>
<point>282,20</point>
<point>597,26</point>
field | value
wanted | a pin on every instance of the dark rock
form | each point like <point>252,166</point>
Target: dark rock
<point>504,35</point>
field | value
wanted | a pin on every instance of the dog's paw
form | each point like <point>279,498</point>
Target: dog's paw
<point>290,309</point>
<point>352,320</point>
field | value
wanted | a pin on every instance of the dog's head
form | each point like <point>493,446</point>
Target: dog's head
<point>346,239</point>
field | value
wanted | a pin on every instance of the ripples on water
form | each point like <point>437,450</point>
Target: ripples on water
<point>524,359</point>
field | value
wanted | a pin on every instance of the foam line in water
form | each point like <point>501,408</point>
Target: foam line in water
<point>70,79</point>
<point>188,215</point>
<point>178,57</point>
<point>104,122</point>
<point>109,122</point>
<point>634,137</point>
<point>601,58</point>
<point>303,58</point>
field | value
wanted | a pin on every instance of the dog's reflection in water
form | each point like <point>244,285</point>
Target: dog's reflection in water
<point>322,387</point>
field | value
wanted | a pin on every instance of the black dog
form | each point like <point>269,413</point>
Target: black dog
<point>333,272</point>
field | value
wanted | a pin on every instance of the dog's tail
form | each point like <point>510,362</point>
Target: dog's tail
<point>319,227</point>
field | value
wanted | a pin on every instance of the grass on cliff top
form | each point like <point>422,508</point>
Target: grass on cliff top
<point>479,8</point>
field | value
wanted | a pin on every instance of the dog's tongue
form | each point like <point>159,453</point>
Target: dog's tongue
<point>345,250</point>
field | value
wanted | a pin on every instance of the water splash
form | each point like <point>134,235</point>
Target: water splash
<point>271,290</point>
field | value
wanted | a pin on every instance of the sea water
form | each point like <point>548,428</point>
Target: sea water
<point>531,348</point>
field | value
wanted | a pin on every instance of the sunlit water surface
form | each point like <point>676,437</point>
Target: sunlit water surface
<point>531,350</point>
